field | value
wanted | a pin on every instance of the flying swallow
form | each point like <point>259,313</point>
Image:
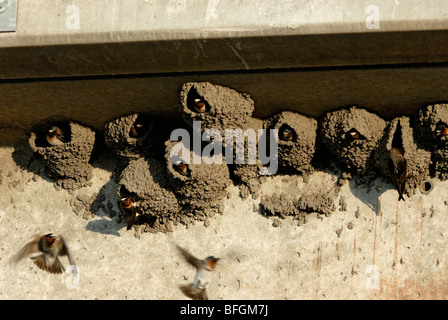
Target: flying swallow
<point>51,248</point>
<point>286,134</point>
<point>55,136</point>
<point>199,105</point>
<point>398,169</point>
<point>128,210</point>
<point>204,272</point>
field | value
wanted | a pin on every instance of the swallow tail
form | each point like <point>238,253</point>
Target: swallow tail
<point>129,215</point>
<point>400,189</point>
<point>52,265</point>
<point>130,223</point>
<point>194,293</point>
<point>130,219</point>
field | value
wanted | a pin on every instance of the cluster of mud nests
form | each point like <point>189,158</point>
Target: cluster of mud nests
<point>170,174</point>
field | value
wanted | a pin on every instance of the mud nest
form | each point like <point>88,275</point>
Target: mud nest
<point>296,140</point>
<point>431,134</point>
<point>156,204</point>
<point>68,163</point>
<point>220,107</point>
<point>248,175</point>
<point>352,135</point>
<point>136,135</point>
<point>200,188</point>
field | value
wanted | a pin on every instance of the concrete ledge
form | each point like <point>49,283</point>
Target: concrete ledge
<point>143,36</point>
<point>224,54</point>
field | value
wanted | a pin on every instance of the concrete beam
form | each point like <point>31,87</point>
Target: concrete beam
<point>81,37</point>
<point>95,101</point>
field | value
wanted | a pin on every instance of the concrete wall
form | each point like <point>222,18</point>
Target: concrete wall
<point>308,56</point>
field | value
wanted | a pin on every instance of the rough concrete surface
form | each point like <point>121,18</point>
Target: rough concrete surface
<point>370,247</point>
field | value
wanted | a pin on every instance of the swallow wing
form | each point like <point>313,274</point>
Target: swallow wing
<point>402,173</point>
<point>64,249</point>
<point>402,169</point>
<point>31,246</point>
<point>129,215</point>
<point>391,166</point>
<point>194,293</point>
<point>190,258</point>
<point>61,136</point>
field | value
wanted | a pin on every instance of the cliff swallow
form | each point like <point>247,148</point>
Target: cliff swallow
<point>441,130</point>
<point>199,105</point>
<point>352,135</point>
<point>137,130</point>
<point>286,134</point>
<point>52,247</point>
<point>204,272</point>
<point>182,168</point>
<point>55,136</point>
<point>128,210</point>
<point>398,169</point>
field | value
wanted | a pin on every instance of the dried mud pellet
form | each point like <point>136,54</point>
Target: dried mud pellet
<point>279,204</point>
